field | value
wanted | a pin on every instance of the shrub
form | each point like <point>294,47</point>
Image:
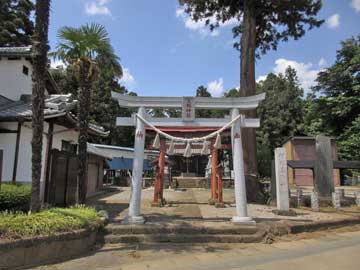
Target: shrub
<point>47,222</point>
<point>15,197</point>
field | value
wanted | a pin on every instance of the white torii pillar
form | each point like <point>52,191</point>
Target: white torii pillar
<point>134,216</point>
<point>238,166</point>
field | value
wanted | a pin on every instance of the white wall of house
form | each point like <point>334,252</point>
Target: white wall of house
<point>8,143</point>
<point>13,82</point>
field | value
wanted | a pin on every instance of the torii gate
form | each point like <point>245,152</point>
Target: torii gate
<point>188,105</point>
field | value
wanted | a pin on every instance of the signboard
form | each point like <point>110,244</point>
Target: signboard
<point>188,109</point>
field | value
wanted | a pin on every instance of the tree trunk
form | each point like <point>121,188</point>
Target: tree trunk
<point>40,49</point>
<point>248,88</point>
<point>247,82</point>
<point>83,118</point>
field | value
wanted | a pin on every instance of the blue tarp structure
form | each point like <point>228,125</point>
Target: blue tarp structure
<point>125,164</point>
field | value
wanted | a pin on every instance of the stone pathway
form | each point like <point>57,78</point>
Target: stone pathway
<point>192,206</point>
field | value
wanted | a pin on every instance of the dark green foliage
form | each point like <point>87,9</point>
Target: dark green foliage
<point>281,113</point>
<point>203,92</point>
<point>48,222</point>
<point>15,197</point>
<point>334,107</point>
<point>276,20</point>
<point>16,28</point>
<point>349,142</point>
<point>337,107</point>
<point>104,110</point>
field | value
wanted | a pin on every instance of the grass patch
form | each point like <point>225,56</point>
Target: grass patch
<point>15,197</point>
<point>47,222</point>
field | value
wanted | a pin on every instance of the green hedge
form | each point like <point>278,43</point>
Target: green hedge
<point>15,197</point>
<point>47,222</point>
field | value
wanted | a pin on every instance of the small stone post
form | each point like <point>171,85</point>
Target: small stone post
<point>315,201</point>
<point>336,201</point>
<point>299,197</point>
<point>282,185</point>
<point>341,193</point>
<point>324,182</point>
<point>357,198</point>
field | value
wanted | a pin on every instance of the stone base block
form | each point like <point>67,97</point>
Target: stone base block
<point>133,220</point>
<point>243,220</point>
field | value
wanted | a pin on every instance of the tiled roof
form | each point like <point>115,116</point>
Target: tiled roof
<point>15,51</point>
<point>55,106</point>
<point>4,101</point>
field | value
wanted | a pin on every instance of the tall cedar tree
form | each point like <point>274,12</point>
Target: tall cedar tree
<point>262,25</point>
<point>16,28</point>
<point>39,55</point>
<point>86,49</point>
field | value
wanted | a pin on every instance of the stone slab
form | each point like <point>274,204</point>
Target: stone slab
<point>324,182</point>
<point>282,185</point>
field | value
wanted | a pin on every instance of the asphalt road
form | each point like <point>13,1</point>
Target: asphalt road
<point>333,251</point>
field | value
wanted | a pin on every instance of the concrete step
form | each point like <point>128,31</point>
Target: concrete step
<point>119,229</point>
<point>184,238</point>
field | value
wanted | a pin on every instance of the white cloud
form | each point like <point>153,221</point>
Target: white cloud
<point>261,78</point>
<point>97,7</point>
<point>127,79</point>
<point>216,88</point>
<point>322,62</point>
<point>356,5</point>
<point>57,63</point>
<point>200,25</point>
<point>305,71</point>
<point>333,21</point>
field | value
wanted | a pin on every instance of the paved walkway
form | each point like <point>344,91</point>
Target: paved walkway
<point>192,206</point>
<point>331,251</point>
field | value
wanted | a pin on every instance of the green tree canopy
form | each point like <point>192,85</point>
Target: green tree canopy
<point>281,113</point>
<point>16,28</point>
<point>334,105</point>
<point>276,20</point>
<point>202,91</point>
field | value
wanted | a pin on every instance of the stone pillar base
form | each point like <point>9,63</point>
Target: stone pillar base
<point>133,220</point>
<point>243,220</point>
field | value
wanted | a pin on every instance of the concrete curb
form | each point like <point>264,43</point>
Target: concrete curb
<point>322,225</point>
<point>25,253</point>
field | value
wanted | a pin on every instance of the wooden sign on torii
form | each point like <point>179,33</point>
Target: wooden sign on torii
<point>189,105</point>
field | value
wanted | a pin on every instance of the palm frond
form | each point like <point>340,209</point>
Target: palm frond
<point>90,41</point>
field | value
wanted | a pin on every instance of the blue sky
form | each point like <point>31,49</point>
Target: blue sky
<point>164,53</point>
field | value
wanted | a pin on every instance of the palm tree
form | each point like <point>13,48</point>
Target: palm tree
<point>40,49</point>
<point>86,49</point>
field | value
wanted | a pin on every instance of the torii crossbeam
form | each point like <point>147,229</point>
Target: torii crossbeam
<point>188,105</point>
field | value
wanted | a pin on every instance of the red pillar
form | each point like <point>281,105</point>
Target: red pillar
<point>156,186</point>
<point>162,168</point>
<point>159,180</point>
<point>214,163</point>
<point>220,188</point>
